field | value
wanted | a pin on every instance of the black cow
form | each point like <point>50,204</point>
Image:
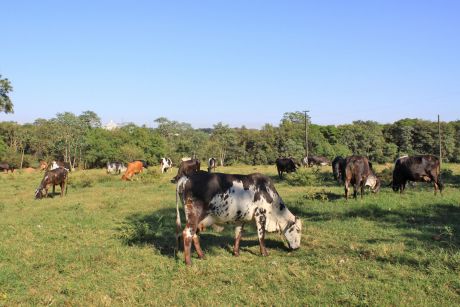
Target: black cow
<point>338,168</point>
<point>216,198</point>
<point>287,165</point>
<point>357,171</point>
<point>187,168</point>
<point>52,177</point>
<point>422,168</point>
<point>6,167</point>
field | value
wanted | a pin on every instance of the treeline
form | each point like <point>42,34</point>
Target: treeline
<point>82,141</point>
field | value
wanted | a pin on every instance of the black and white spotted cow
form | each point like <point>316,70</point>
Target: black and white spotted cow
<point>216,198</point>
<point>166,164</point>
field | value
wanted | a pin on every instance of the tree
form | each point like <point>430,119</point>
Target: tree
<point>224,138</point>
<point>5,102</point>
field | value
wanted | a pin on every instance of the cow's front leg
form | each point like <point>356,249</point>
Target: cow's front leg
<point>238,234</point>
<point>261,220</point>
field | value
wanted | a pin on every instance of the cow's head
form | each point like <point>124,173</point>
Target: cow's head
<point>293,232</point>
<point>38,194</point>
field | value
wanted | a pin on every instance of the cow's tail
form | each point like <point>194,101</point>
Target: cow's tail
<point>178,222</point>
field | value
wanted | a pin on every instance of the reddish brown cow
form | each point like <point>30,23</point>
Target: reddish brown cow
<point>134,167</point>
<point>356,172</point>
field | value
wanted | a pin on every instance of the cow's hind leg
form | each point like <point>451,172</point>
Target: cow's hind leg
<point>347,189</point>
<point>261,221</point>
<point>238,234</point>
<point>187,234</point>
<point>196,243</point>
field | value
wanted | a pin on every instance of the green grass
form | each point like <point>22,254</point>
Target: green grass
<point>110,242</point>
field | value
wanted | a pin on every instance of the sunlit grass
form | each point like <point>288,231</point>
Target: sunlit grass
<point>112,242</point>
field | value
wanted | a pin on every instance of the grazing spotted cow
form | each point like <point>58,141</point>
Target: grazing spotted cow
<point>166,164</point>
<point>315,160</point>
<point>287,165</point>
<point>216,198</point>
<point>187,168</point>
<point>212,163</point>
<point>134,167</point>
<point>53,177</point>
<point>357,171</point>
<point>115,167</point>
<point>422,168</point>
<point>5,167</point>
<point>338,168</point>
<point>66,165</point>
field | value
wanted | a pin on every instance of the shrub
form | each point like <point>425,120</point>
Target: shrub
<point>301,178</point>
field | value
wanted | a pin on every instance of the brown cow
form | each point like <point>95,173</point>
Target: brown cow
<point>134,167</point>
<point>53,177</point>
<point>43,166</point>
<point>356,172</point>
<point>4,166</point>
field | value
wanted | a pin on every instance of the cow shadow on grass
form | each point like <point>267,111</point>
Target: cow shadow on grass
<point>158,229</point>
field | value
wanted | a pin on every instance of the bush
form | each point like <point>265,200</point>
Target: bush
<point>301,178</point>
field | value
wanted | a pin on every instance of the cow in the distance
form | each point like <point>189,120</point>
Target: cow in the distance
<point>421,168</point>
<point>135,167</point>
<point>315,160</point>
<point>166,164</point>
<point>62,164</point>
<point>43,166</point>
<point>5,167</point>
<point>287,165</point>
<point>216,198</point>
<point>115,167</point>
<point>338,168</point>
<point>357,171</point>
<point>53,177</point>
<point>212,164</point>
<point>187,168</point>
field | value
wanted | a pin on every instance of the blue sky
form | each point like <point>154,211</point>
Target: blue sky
<point>237,62</point>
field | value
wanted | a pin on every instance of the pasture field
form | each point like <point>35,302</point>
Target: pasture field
<point>110,242</point>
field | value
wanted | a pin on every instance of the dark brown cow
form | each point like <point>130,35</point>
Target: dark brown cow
<point>6,167</point>
<point>53,177</point>
<point>287,165</point>
<point>216,198</point>
<point>187,168</point>
<point>356,172</point>
<point>422,168</point>
<point>338,168</point>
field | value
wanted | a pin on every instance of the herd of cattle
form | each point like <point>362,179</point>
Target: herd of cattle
<point>210,198</point>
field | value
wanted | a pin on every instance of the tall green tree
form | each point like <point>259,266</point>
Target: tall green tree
<point>6,105</point>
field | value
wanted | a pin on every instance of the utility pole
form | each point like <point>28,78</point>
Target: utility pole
<point>306,136</point>
<point>439,139</point>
